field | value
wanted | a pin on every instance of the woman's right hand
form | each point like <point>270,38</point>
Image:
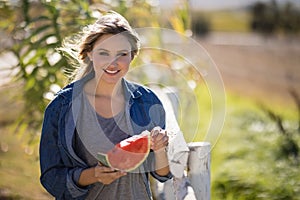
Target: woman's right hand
<point>107,175</point>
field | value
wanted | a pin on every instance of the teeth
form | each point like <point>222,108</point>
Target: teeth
<point>111,71</point>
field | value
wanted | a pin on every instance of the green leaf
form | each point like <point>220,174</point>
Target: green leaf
<point>30,84</point>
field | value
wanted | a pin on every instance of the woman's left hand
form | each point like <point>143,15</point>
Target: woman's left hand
<point>159,139</point>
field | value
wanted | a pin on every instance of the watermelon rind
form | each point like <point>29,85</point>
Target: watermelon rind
<point>102,158</point>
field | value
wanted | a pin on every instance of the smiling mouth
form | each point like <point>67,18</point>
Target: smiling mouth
<point>111,72</point>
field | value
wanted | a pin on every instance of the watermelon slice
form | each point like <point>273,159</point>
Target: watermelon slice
<point>128,154</point>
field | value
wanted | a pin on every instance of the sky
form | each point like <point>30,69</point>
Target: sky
<point>233,3</point>
<point>220,4</point>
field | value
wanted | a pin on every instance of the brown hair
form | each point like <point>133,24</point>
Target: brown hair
<point>110,23</point>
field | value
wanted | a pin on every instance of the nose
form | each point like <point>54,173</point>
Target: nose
<point>114,61</point>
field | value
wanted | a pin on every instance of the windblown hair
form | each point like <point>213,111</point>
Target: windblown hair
<point>78,46</point>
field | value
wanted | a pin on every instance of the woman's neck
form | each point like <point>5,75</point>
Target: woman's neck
<point>102,89</point>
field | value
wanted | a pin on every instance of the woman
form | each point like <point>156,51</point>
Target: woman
<point>97,110</point>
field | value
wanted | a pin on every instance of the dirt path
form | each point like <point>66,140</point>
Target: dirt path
<point>264,68</point>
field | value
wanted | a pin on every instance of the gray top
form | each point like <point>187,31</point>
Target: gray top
<point>127,187</point>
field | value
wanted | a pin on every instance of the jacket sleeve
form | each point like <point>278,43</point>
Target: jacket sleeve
<point>158,115</point>
<point>57,176</point>
<point>162,178</point>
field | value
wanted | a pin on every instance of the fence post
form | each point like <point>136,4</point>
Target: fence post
<point>198,161</point>
<point>199,169</point>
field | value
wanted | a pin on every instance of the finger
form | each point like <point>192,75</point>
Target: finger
<point>121,173</point>
<point>104,166</point>
<point>158,137</point>
<point>155,131</point>
<point>160,143</point>
<point>104,169</point>
<point>161,138</point>
<point>107,178</point>
<point>114,175</point>
<point>166,138</point>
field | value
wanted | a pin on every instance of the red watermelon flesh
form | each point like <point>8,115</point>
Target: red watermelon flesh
<point>128,154</point>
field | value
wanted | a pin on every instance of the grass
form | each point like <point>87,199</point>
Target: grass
<point>229,21</point>
<point>19,168</point>
<point>247,161</point>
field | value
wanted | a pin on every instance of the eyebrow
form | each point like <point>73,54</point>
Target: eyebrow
<point>122,50</point>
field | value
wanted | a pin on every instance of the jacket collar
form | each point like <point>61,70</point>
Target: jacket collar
<point>131,90</point>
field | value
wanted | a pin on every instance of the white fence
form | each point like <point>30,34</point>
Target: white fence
<point>189,163</point>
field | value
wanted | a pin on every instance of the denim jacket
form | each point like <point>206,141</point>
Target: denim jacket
<point>60,166</point>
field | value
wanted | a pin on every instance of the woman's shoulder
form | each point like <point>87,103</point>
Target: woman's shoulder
<point>143,91</point>
<point>66,91</point>
<point>135,87</point>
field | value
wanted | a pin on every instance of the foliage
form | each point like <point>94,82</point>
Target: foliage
<point>137,12</point>
<point>250,161</point>
<point>180,19</point>
<point>39,28</point>
<point>7,13</point>
<point>270,17</point>
<point>36,32</point>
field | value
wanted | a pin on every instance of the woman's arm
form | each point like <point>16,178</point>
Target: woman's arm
<point>58,173</point>
<point>159,142</point>
<point>161,163</point>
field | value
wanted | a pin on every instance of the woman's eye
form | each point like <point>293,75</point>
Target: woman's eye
<point>103,54</point>
<point>123,54</point>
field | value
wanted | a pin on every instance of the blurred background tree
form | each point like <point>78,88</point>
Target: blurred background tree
<point>270,18</point>
<point>35,29</point>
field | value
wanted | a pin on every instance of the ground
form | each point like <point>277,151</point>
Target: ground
<point>261,67</point>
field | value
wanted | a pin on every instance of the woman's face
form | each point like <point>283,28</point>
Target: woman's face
<point>111,56</point>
